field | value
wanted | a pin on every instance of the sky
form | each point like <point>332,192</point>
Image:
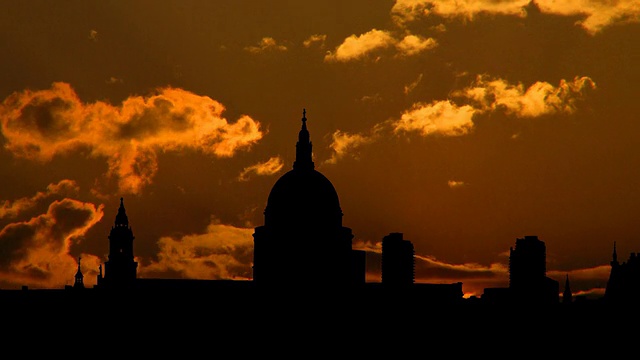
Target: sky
<point>464,125</point>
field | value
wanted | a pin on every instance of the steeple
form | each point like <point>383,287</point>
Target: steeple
<point>79,283</point>
<point>120,269</point>
<point>121,218</point>
<point>303,147</point>
<point>614,260</point>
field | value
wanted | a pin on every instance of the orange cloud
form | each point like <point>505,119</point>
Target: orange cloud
<point>266,44</point>
<point>455,184</point>
<point>475,278</point>
<point>409,88</point>
<point>344,143</point>
<point>315,39</point>
<point>14,208</point>
<point>223,252</point>
<point>93,35</point>
<point>541,98</point>
<point>589,282</point>
<point>428,269</point>
<point>269,167</point>
<point>405,11</point>
<point>355,47</point>
<point>596,15</point>
<point>447,118</point>
<point>439,117</point>
<point>36,252</point>
<point>413,44</point>
<point>38,125</point>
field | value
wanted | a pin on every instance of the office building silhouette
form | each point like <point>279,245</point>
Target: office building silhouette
<point>398,261</point>
<point>528,281</point>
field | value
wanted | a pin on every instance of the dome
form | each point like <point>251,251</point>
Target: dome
<point>303,197</point>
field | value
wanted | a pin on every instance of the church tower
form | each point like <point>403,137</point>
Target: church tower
<point>120,269</point>
<point>79,278</point>
<point>302,242</point>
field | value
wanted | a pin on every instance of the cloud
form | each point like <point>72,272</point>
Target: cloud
<point>413,44</point>
<point>315,39</point>
<point>455,184</point>
<point>445,117</point>
<point>475,278</point>
<point>223,252</point>
<point>36,252</point>
<point>344,143</point>
<point>93,35</point>
<point>589,282</point>
<point>405,11</point>
<point>269,167</point>
<point>39,125</point>
<point>541,98</point>
<point>428,269</point>
<point>265,44</point>
<point>439,117</point>
<point>409,88</point>
<point>12,209</point>
<point>114,80</point>
<point>596,15</point>
<point>355,47</point>
<point>448,118</point>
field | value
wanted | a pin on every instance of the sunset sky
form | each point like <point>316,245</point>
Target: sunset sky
<point>463,124</point>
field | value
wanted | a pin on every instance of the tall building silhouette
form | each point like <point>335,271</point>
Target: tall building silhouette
<point>527,262</point>
<point>624,279</point>
<point>528,272</point>
<point>528,281</point>
<point>398,261</point>
<point>302,241</point>
<point>120,268</point>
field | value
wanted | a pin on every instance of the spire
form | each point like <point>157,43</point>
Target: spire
<point>303,147</point>
<point>79,273</point>
<point>615,254</point>
<point>121,218</point>
<point>79,278</point>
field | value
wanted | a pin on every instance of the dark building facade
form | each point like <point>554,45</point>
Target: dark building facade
<point>120,269</point>
<point>528,281</point>
<point>528,272</point>
<point>398,261</point>
<point>301,246</point>
<point>527,262</point>
<point>624,279</point>
<point>302,241</point>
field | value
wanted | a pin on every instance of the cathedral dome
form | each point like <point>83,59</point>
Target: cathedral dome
<point>303,197</point>
<point>303,194</point>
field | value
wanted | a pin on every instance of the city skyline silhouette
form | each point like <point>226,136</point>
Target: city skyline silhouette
<point>303,208</point>
<point>464,128</point>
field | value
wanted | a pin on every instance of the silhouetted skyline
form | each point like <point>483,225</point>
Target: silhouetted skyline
<point>462,127</point>
<point>303,211</point>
